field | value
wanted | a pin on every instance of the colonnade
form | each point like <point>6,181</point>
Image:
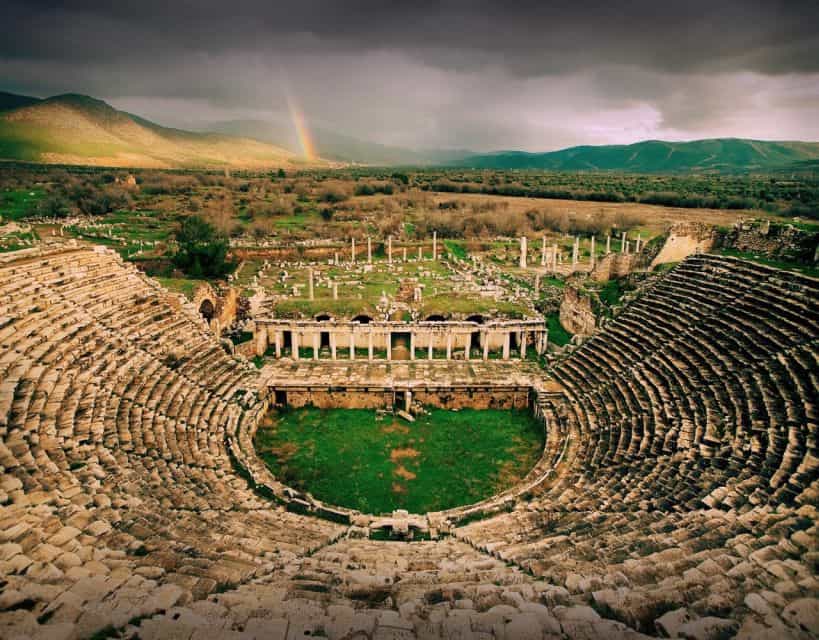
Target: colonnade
<point>400,340</point>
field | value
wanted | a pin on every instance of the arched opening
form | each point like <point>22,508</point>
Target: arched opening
<point>323,317</point>
<point>436,318</point>
<point>477,318</point>
<point>207,309</point>
<point>362,319</point>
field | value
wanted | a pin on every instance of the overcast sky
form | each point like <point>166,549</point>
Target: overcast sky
<point>528,75</point>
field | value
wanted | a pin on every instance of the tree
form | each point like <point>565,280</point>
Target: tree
<point>282,174</point>
<point>202,250</point>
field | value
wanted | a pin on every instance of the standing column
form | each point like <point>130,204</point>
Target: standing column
<point>592,258</point>
<point>294,344</point>
<point>449,345</point>
<point>333,345</point>
<point>506,346</point>
<point>608,244</point>
<point>434,245</point>
<point>389,250</point>
<point>369,250</point>
<point>278,339</point>
<point>467,345</point>
<point>554,257</point>
<point>335,290</point>
<point>352,251</point>
<point>316,338</point>
<point>574,253</point>
<point>543,253</point>
<point>485,336</point>
<point>412,345</point>
<point>420,254</point>
<point>523,252</point>
<point>429,347</point>
<point>408,401</point>
<point>370,345</point>
<point>623,246</point>
<point>523,345</point>
<point>389,345</point>
<point>352,345</point>
<point>638,243</point>
<point>405,255</point>
<point>310,283</point>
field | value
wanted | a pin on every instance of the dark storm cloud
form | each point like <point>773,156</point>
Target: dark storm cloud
<point>460,73</point>
<point>529,37</point>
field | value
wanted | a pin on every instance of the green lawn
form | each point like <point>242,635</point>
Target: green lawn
<point>557,334</point>
<point>353,458</point>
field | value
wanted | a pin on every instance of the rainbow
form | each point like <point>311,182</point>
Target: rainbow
<point>308,147</point>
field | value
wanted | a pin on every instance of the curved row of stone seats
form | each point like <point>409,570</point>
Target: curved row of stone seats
<point>367,589</point>
<point>118,498</point>
<point>694,432</point>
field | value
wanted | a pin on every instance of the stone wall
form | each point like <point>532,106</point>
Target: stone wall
<point>385,398</point>
<point>576,312</point>
<point>685,239</point>
<point>614,265</point>
<point>775,240</point>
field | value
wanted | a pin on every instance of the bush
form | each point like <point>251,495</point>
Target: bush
<point>202,250</point>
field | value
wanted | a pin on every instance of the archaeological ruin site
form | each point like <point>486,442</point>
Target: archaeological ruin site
<point>675,495</point>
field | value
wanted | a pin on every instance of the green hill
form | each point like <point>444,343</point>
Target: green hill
<point>77,129</point>
<point>655,156</point>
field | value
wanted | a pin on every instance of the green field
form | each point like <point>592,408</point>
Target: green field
<point>357,459</point>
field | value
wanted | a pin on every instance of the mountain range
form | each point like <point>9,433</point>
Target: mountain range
<point>656,156</point>
<point>78,129</point>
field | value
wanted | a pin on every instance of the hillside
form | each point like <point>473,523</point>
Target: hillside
<point>654,156</point>
<point>76,129</point>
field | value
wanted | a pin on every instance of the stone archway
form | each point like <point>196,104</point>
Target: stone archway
<point>207,309</point>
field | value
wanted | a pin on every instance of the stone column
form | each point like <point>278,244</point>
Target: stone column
<point>429,347</point>
<point>333,345</point>
<point>310,283</point>
<point>370,345</point>
<point>543,253</point>
<point>608,244</point>
<point>485,335</point>
<point>389,345</point>
<point>407,400</point>
<point>574,254</point>
<point>434,245</point>
<point>316,342</point>
<point>294,343</point>
<point>261,339</point>
<point>352,251</point>
<point>335,258</point>
<point>523,252</point>
<point>506,346</point>
<point>420,254</point>
<point>449,345</point>
<point>593,258</point>
<point>278,339</point>
<point>335,290</point>
<point>623,246</point>
<point>352,345</point>
<point>405,255</point>
<point>389,250</point>
<point>537,285</point>
<point>369,250</point>
<point>412,345</point>
<point>467,345</point>
<point>523,345</point>
<point>638,243</point>
<point>554,257</point>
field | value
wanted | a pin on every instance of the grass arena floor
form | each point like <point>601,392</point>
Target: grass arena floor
<point>375,463</point>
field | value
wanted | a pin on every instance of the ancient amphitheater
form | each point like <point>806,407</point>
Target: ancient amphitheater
<point>676,496</point>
